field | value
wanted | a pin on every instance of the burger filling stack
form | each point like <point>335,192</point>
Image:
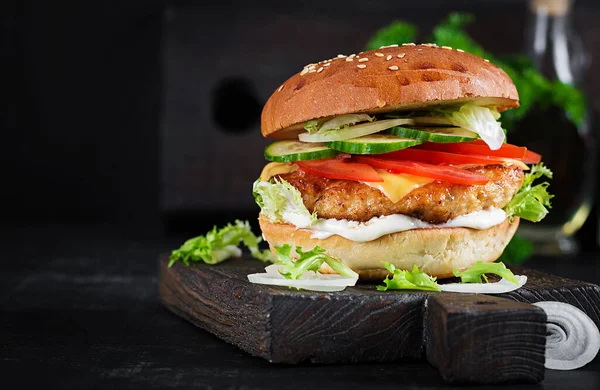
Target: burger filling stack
<point>397,156</point>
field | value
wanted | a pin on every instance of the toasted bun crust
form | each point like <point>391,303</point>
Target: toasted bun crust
<point>435,251</point>
<point>426,76</point>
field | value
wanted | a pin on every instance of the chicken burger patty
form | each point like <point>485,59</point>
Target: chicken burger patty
<point>436,202</point>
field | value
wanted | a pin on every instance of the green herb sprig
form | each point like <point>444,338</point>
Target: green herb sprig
<point>308,261</point>
<point>532,201</point>
<point>408,280</point>
<point>221,244</point>
<point>477,273</point>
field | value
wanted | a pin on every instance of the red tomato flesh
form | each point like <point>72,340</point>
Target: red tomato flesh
<point>477,147</point>
<point>438,172</point>
<point>435,157</point>
<point>340,169</point>
<point>531,158</point>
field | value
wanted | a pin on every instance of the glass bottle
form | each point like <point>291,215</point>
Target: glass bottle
<point>568,150</point>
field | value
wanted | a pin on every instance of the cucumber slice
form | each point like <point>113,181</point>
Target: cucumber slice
<point>373,144</point>
<point>354,131</point>
<point>435,134</point>
<point>292,150</point>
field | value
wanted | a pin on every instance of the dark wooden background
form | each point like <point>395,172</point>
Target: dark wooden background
<point>145,113</point>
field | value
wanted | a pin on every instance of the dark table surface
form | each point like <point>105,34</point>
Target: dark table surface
<point>79,309</point>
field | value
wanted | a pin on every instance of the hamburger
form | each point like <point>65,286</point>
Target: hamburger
<point>396,155</point>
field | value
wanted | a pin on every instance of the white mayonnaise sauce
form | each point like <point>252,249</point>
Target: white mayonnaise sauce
<point>296,219</point>
<point>380,226</point>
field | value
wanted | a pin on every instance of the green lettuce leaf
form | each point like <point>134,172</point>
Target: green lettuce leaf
<point>531,202</point>
<point>219,245</point>
<point>281,202</point>
<point>312,126</point>
<point>408,280</point>
<point>478,119</point>
<point>477,273</point>
<point>308,261</point>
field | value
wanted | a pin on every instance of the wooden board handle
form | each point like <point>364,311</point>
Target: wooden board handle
<point>473,338</point>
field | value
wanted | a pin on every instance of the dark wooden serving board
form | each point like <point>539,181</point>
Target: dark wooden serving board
<point>470,338</point>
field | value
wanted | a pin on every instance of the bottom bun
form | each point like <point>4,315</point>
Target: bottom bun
<point>436,251</point>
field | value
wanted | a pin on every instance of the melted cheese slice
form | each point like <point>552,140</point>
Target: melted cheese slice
<point>276,168</point>
<point>397,186</point>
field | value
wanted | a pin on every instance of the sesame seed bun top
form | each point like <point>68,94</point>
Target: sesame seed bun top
<point>393,78</point>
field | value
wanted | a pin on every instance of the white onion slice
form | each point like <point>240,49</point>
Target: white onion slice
<point>573,338</point>
<point>432,120</point>
<point>347,119</point>
<point>503,286</point>
<point>355,131</point>
<point>308,281</point>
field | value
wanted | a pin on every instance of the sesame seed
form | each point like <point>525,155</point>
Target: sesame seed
<point>312,71</point>
<point>408,44</point>
<point>486,60</point>
<point>379,54</point>
<point>327,64</point>
<point>401,55</point>
<point>446,47</point>
<point>429,44</point>
<point>419,49</point>
<point>304,71</point>
<point>341,56</point>
<point>349,59</point>
<point>361,66</point>
<point>389,57</point>
<point>280,88</point>
<point>393,67</point>
<point>460,50</point>
<point>320,70</point>
<point>352,55</point>
<point>363,60</point>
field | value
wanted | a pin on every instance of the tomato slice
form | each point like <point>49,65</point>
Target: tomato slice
<point>340,169</point>
<point>477,147</point>
<point>435,157</point>
<point>532,158</point>
<point>439,172</point>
